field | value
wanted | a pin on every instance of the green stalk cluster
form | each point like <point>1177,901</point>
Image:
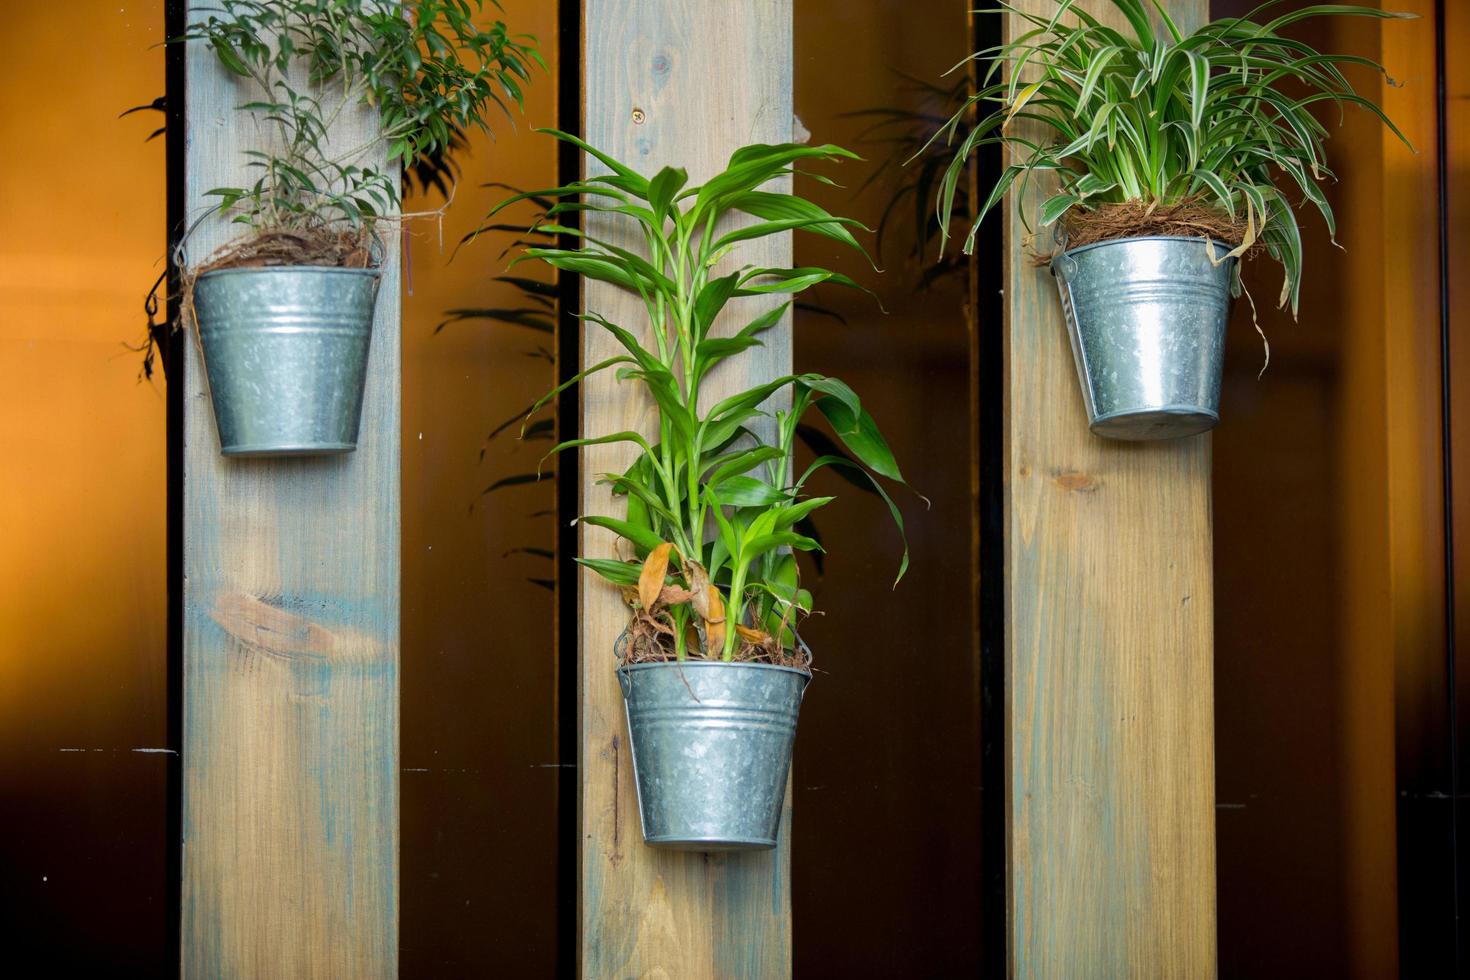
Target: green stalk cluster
<point>711,489</point>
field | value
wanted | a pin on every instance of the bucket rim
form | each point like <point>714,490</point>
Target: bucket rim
<point>685,664</point>
<point>303,449</point>
<point>374,273</point>
<point>675,842</point>
<point>1145,238</point>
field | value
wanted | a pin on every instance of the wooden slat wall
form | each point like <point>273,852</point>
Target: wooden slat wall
<point>291,583</point>
<point>680,82</point>
<point>1109,674</point>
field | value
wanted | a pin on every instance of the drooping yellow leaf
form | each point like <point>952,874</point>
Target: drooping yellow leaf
<point>1022,98</point>
<point>651,579</point>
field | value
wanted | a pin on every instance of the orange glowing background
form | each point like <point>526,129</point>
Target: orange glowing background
<point>83,680</point>
<point>82,502</point>
<point>82,590</point>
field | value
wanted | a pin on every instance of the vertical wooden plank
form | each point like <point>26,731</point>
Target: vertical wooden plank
<point>681,82</point>
<point>1109,645</point>
<point>291,581</point>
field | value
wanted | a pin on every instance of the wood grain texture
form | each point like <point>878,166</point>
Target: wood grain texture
<point>708,78</point>
<point>291,584</point>
<point>1109,673</point>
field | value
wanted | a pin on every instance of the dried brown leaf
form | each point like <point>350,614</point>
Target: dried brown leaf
<point>714,622</point>
<point>672,595</point>
<point>758,637</point>
<point>699,584</point>
<point>651,579</point>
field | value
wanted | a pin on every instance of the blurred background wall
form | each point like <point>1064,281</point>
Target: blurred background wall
<point>479,847</point>
<point>886,867</point>
<point>83,724</point>
<point>1334,822</point>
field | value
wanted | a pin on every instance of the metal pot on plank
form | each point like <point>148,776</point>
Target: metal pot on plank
<point>1147,317</point>
<point>711,745</point>
<point>286,351</point>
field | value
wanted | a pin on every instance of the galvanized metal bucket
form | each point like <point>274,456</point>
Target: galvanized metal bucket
<point>286,349</point>
<point>711,746</point>
<point>1147,320</point>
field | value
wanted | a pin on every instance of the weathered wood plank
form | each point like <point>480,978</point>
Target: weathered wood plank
<point>680,82</point>
<point>291,583</point>
<point>1109,674</point>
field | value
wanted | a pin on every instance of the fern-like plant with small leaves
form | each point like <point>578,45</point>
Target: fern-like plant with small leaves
<point>427,69</point>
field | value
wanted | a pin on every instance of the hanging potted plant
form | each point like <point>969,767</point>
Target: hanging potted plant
<point>1175,156</point>
<point>712,665</point>
<point>285,313</point>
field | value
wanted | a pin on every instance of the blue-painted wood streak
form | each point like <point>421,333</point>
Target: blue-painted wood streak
<point>708,78</point>
<point>291,568</point>
<point>1109,658</point>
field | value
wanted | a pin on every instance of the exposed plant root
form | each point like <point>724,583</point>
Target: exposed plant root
<point>650,638</point>
<point>1133,219</point>
<point>346,248</point>
<point>341,248</point>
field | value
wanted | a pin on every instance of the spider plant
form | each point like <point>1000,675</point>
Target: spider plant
<point>712,502</point>
<point>1221,116</point>
<point>426,68</point>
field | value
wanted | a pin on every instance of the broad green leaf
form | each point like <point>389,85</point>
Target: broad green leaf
<point>626,484</point>
<point>712,350</point>
<point>630,436</point>
<point>1054,207</point>
<point>741,462</point>
<point>642,537</point>
<point>729,537</point>
<point>833,387</point>
<point>859,433</point>
<point>661,190</point>
<point>747,491</point>
<point>616,572</point>
<point>788,516</point>
<point>711,300</point>
<point>634,182</point>
<point>791,280</point>
<point>779,539</point>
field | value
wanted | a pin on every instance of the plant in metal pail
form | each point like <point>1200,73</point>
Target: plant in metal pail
<point>1151,133</point>
<point>416,77</point>
<point>714,508</point>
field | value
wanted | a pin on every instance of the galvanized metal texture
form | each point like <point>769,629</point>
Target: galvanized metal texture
<point>711,746</point>
<point>286,349</point>
<point>1147,321</point>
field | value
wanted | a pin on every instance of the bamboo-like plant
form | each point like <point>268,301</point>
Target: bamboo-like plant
<point>713,506</point>
<point>426,68</point>
<point>1161,119</point>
